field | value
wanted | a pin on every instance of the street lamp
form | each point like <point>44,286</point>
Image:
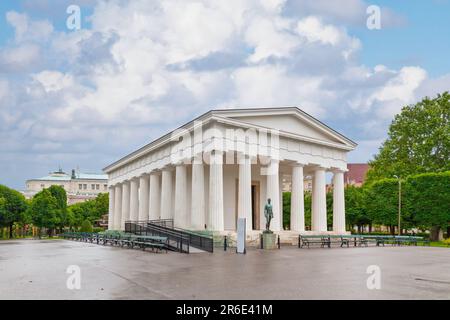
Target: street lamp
<point>399,202</point>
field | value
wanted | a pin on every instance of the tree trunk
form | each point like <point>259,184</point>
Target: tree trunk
<point>11,225</point>
<point>448,232</point>
<point>370,228</point>
<point>436,234</point>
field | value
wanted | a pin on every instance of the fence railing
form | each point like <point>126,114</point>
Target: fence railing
<point>179,239</point>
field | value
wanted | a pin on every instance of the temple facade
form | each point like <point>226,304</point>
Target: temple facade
<point>226,164</point>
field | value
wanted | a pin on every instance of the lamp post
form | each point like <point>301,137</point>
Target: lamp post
<point>399,202</point>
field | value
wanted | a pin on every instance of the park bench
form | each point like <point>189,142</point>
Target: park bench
<point>409,240</point>
<point>314,239</point>
<point>377,239</point>
<point>356,239</point>
<point>154,242</point>
<point>338,239</point>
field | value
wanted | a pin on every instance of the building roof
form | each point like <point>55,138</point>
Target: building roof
<point>221,115</point>
<point>62,176</point>
<point>356,172</point>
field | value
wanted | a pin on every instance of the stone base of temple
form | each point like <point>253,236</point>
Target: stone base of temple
<point>286,236</point>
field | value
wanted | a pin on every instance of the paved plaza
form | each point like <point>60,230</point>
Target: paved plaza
<point>36,269</point>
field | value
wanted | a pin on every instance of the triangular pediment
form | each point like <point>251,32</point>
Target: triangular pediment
<point>290,124</point>
<point>289,120</point>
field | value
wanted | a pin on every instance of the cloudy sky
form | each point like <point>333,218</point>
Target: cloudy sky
<point>136,69</point>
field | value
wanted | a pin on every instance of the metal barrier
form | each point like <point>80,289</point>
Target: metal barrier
<point>176,241</point>
<point>179,239</point>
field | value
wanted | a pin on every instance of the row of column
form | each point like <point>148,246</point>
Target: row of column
<point>319,201</point>
<point>151,198</point>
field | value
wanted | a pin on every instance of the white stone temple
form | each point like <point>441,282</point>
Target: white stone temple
<point>226,164</point>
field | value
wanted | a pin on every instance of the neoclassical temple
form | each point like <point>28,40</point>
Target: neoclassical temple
<point>225,164</point>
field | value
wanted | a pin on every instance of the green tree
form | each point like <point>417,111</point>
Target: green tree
<point>418,141</point>
<point>308,208</point>
<point>86,226</point>
<point>13,207</point>
<point>90,210</point>
<point>381,203</point>
<point>428,201</point>
<point>355,210</point>
<point>101,205</point>
<point>45,212</point>
<point>286,210</point>
<point>60,196</point>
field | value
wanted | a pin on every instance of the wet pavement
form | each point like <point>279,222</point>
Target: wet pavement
<point>36,269</point>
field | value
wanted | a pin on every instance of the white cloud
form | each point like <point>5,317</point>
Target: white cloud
<point>4,89</point>
<point>146,67</point>
<point>19,57</point>
<point>53,80</point>
<point>313,30</point>
<point>29,30</point>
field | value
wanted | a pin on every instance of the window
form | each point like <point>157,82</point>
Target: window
<point>80,186</point>
<point>105,186</point>
<point>85,186</point>
<point>42,186</point>
<point>97,187</point>
<point>62,186</point>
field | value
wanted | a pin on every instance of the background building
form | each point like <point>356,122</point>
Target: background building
<point>356,174</point>
<point>79,186</point>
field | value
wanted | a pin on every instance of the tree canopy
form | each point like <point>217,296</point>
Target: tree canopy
<point>418,141</point>
<point>12,207</point>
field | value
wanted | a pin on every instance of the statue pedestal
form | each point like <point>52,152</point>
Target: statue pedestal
<point>269,241</point>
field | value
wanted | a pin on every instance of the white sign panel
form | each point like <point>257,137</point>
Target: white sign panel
<point>240,247</point>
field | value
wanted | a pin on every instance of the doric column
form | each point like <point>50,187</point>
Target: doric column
<point>338,202</point>
<point>117,207</point>
<point>245,191</point>
<point>273,193</point>
<point>297,200</point>
<point>198,217</point>
<point>154,206</point>
<point>143,197</point>
<point>166,194</point>
<point>180,219</point>
<point>216,219</point>
<point>134,200</point>
<point>125,204</point>
<point>112,198</point>
<point>319,201</point>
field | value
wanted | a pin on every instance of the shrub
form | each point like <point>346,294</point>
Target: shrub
<point>98,229</point>
<point>86,226</point>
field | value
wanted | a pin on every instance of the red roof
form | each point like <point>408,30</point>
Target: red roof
<point>356,172</point>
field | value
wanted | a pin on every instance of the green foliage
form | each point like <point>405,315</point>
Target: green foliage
<point>382,202</point>
<point>97,229</point>
<point>89,210</point>
<point>286,210</point>
<point>308,203</point>
<point>428,199</point>
<point>356,213</point>
<point>86,226</point>
<point>418,141</point>
<point>60,196</point>
<point>44,210</point>
<point>12,208</point>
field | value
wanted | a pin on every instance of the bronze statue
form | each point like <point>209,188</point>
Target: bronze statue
<point>268,213</point>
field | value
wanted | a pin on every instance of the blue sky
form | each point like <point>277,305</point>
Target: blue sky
<point>85,98</point>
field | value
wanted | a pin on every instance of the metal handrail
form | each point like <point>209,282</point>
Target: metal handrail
<point>164,227</point>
